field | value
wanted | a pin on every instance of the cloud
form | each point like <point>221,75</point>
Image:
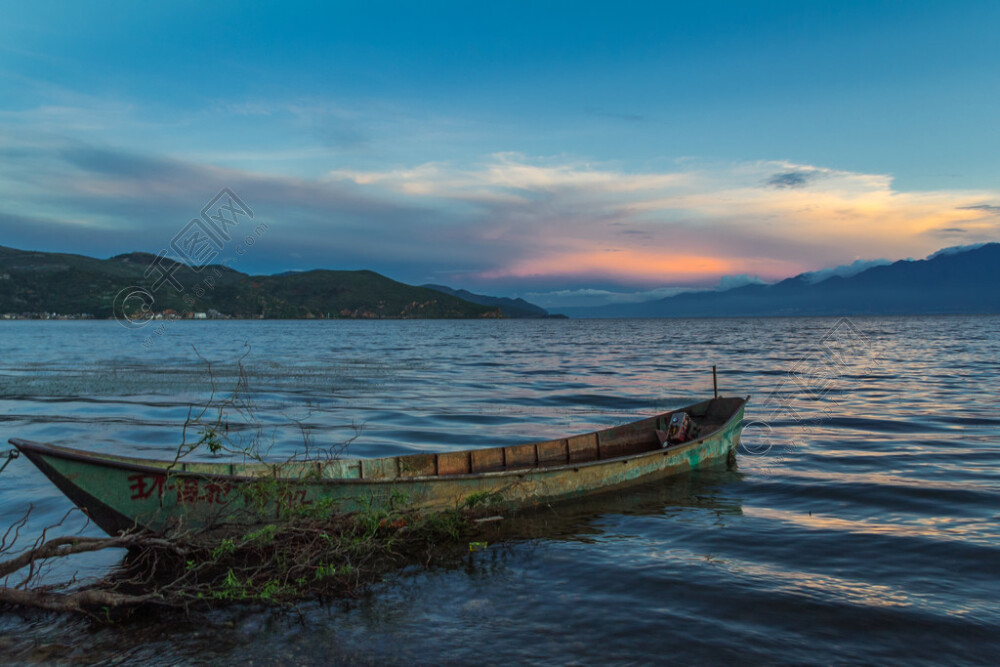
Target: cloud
<point>569,298</point>
<point>697,222</point>
<point>844,270</point>
<point>122,164</point>
<point>741,280</point>
<point>505,222</point>
<point>53,196</point>
<point>954,250</point>
<point>792,179</point>
<point>985,208</point>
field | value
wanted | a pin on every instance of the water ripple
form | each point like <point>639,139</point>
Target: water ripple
<point>861,521</point>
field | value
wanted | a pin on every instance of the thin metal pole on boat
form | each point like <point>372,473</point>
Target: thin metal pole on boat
<point>11,455</point>
<point>715,383</point>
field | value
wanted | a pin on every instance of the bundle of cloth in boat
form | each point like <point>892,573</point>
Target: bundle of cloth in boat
<point>681,428</point>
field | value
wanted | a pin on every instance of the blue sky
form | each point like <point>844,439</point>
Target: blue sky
<point>564,152</point>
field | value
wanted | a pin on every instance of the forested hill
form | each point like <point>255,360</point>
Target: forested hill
<point>33,283</point>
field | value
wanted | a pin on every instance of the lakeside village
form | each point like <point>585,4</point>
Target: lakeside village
<point>212,314</point>
<point>168,314</point>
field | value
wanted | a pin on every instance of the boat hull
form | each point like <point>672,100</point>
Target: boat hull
<point>122,493</point>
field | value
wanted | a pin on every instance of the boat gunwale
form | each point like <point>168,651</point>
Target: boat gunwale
<point>112,460</point>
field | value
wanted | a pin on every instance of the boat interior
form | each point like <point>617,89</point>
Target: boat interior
<point>612,443</point>
<point>616,442</point>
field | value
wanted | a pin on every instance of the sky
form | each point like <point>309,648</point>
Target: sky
<point>570,153</point>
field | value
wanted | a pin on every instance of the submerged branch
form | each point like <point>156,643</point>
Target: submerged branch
<point>313,551</point>
<point>304,557</point>
<point>56,548</point>
<point>85,601</point>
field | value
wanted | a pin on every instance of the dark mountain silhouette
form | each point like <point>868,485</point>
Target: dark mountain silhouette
<point>514,308</point>
<point>42,282</point>
<point>955,281</point>
<point>952,281</point>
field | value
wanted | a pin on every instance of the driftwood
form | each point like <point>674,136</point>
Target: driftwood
<point>78,601</point>
<point>307,557</point>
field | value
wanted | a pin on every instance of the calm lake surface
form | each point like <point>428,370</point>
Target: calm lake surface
<point>861,522</point>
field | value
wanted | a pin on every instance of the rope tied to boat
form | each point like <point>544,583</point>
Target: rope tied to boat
<point>11,455</point>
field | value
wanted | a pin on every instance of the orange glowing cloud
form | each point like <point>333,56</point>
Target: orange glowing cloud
<point>640,266</point>
<point>618,263</point>
<point>695,223</point>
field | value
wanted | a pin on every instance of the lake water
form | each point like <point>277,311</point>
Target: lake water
<point>861,522</point>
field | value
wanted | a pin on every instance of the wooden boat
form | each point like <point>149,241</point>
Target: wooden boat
<point>123,493</point>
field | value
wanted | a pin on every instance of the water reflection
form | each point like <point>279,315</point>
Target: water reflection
<point>874,505</point>
<point>519,542</point>
<point>939,528</point>
<point>583,519</point>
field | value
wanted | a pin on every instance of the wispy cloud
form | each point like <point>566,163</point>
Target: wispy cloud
<point>793,179</point>
<point>585,297</point>
<point>741,280</point>
<point>699,221</point>
<point>845,270</point>
<point>985,208</point>
<point>507,222</point>
<point>955,249</point>
<point>128,201</point>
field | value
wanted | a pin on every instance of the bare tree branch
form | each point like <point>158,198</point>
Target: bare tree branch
<point>313,550</point>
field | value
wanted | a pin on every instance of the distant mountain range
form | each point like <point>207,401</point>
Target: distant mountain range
<point>39,282</point>
<point>32,283</point>
<point>514,308</point>
<point>950,281</point>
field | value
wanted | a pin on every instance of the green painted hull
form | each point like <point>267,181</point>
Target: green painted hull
<point>123,493</point>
